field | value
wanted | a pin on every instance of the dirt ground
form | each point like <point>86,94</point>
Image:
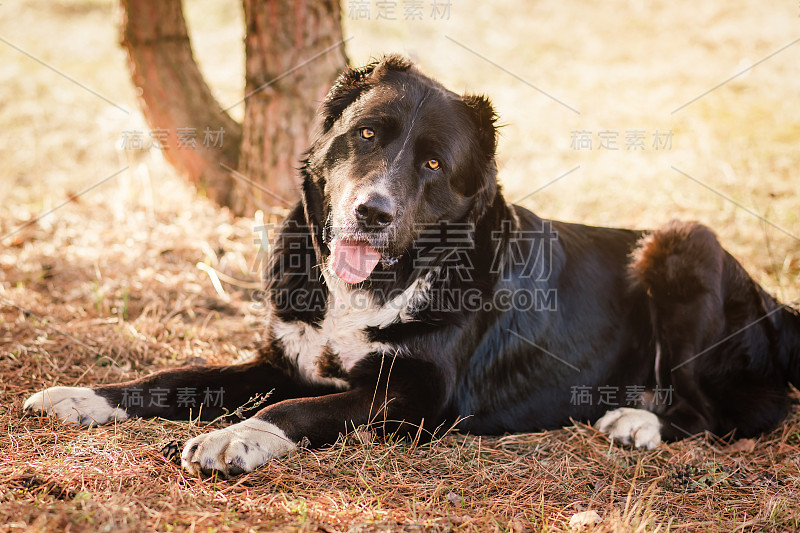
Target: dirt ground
<point>105,256</point>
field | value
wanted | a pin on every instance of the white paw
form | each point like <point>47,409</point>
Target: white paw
<point>631,425</point>
<point>236,449</point>
<point>74,405</point>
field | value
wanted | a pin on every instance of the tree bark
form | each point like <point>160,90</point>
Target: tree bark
<point>293,51</point>
<point>175,98</point>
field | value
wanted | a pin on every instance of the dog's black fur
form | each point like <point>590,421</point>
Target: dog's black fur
<point>661,310</point>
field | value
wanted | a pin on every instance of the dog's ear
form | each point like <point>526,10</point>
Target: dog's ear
<point>347,87</point>
<point>353,82</point>
<point>483,181</point>
<point>313,201</point>
<point>485,119</point>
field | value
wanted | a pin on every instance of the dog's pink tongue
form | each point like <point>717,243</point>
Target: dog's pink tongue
<point>353,261</point>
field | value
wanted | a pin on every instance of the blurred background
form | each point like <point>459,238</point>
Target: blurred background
<point>624,113</point>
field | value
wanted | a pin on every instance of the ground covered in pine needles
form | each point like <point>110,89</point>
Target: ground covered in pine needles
<point>131,271</point>
<point>102,312</point>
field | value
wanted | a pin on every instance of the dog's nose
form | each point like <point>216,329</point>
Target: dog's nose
<point>374,210</point>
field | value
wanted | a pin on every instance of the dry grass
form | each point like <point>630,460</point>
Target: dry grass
<point>107,288</point>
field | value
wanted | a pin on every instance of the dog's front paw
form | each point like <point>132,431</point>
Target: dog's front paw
<point>74,405</point>
<point>632,425</point>
<point>236,449</point>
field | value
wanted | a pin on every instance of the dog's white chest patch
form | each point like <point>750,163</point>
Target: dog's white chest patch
<point>343,331</point>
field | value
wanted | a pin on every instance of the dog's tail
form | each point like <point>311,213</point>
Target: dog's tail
<point>787,320</point>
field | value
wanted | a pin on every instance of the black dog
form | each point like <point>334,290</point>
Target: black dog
<point>404,292</point>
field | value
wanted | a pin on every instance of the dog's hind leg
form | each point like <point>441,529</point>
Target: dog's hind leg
<point>680,266</point>
<point>715,349</point>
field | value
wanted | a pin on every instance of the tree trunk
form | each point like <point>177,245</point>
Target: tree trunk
<point>293,52</point>
<point>175,98</point>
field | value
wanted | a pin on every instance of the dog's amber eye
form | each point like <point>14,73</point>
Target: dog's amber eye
<point>432,164</point>
<point>367,133</point>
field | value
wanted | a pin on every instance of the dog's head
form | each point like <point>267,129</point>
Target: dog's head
<point>397,151</point>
